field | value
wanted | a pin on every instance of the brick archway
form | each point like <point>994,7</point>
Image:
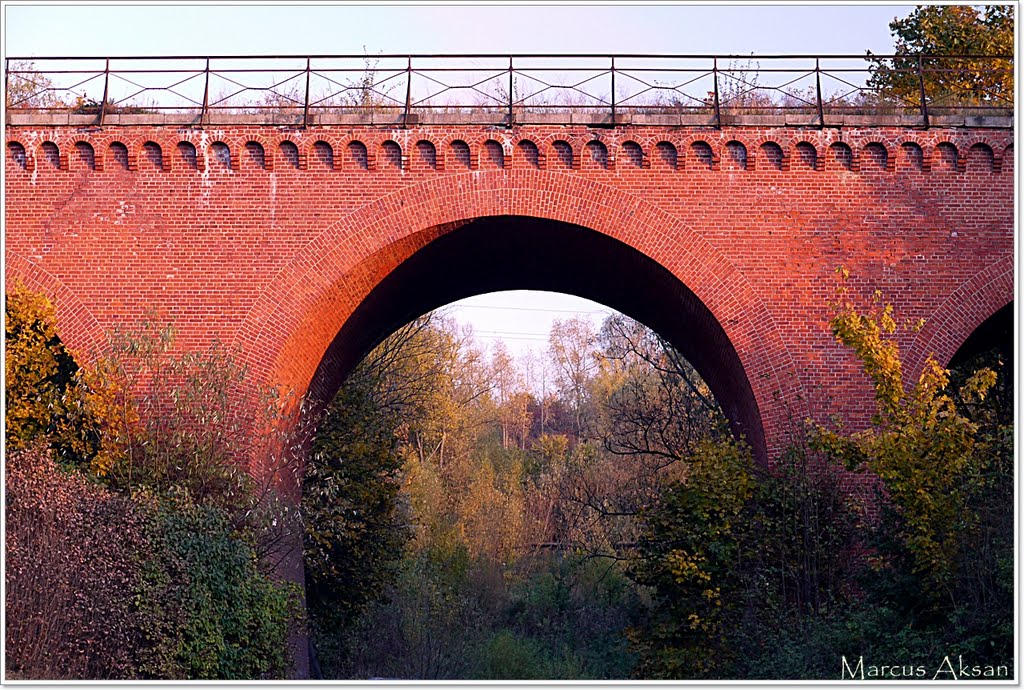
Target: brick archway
<point>80,332</point>
<point>286,335</point>
<point>960,314</point>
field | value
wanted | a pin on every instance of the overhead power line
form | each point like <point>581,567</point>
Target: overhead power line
<point>517,335</point>
<point>542,309</point>
<point>514,337</point>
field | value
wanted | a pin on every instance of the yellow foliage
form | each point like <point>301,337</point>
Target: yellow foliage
<point>45,396</point>
<point>686,567</point>
<point>920,445</point>
<point>86,416</point>
<point>32,360</point>
<point>109,399</point>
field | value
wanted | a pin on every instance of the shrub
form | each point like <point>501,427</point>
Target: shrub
<point>103,586</point>
<point>143,557</point>
<point>71,573</point>
<point>206,606</point>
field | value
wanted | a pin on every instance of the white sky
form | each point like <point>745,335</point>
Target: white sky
<point>41,29</point>
<point>521,318</point>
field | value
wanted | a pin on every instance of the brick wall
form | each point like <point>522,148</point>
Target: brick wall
<point>270,239</point>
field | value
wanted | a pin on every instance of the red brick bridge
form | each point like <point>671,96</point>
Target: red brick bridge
<point>305,246</point>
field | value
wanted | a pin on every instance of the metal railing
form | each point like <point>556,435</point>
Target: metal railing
<point>507,90</point>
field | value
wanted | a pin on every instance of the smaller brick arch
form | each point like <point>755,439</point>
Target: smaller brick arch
<point>16,154</point>
<point>994,333</point>
<point>668,156</point>
<point>875,156</point>
<point>701,156</point>
<point>153,156</point>
<point>289,155</point>
<point>187,155</point>
<point>980,158</point>
<point>945,157</point>
<point>772,155</point>
<point>50,154</point>
<point>426,155</point>
<point>805,156</point>
<point>597,155</point>
<point>255,156</point>
<point>529,153</point>
<point>80,332</point>
<point>1006,165</point>
<point>911,157</point>
<point>564,157</point>
<point>494,155</point>
<point>632,155</point>
<point>119,158</point>
<point>85,156</point>
<point>356,156</point>
<point>390,155</point>
<point>840,156</point>
<point>735,156</point>
<point>460,155</point>
<point>219,157</point>
<point>323,154</point>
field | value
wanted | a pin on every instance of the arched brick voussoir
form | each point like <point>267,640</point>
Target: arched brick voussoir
<point>134,143</point>
<point>267,142</point>
<point>966,308</point>
<point>77,327</point>
<point>308,302</point>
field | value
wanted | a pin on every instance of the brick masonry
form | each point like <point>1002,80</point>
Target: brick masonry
<point>269,239</point>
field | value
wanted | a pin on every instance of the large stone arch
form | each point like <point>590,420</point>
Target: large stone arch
<point>961,313</point>
<point>286,335</point>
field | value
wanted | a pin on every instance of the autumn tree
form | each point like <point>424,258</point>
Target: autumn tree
<point>355,525</point>
<point>920,444</point>
<point>944,542</point>
<point>29,88</point>
<point>656,404</point>
<point>45,398</point>
<point>689,554</point>
<point>961,32</point>
<point>506,385</point>
<point>646,410</point>
<point>572,344</point>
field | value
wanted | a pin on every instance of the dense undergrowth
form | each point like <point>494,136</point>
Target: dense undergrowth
<point>135,545</point>
<point>582,516</point>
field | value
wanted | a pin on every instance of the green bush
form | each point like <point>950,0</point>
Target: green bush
<point>507,656</point>
<point>209,610</point>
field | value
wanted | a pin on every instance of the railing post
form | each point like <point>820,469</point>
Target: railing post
<point>718,108</point>
<point>206,97</point>
<point>613,90</point>
<point>924,102</point>
<point>106,86</point>
<point>305,108</point>
<point>511,86</point>
<point>7,81</point>
<point>817,80</point>
<point>408,93</point>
